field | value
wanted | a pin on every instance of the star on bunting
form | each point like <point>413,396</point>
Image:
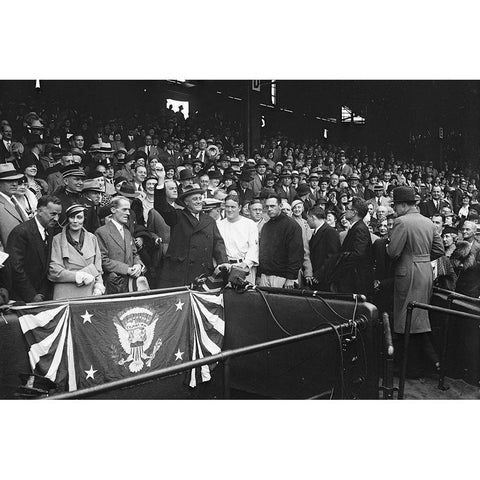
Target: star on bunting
<point>90,373</point>
<point>179,305</point>
<point>179,355</point>
<point>86,317</point>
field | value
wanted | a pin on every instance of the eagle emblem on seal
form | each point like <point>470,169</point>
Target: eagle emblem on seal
<point>136,330</point>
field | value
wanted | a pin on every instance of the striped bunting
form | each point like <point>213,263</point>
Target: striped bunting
<point>47,333</point>
<point>208,331</point>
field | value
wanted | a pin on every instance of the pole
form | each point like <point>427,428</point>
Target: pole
<point>406,341</point>
<point>249,119</point>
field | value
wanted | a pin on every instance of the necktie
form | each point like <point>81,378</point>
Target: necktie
<point>46,240</point>
<point>148,150</point>
<point>378,201</point>
<point>9,146</point>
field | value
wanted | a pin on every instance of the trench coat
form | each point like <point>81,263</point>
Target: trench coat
<point>66,262</point>
<point>413,244</point>
<point>194,244</point>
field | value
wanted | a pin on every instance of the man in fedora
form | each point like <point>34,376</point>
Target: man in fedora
<point>10,217</point>
<point>194,238</point>
<point>186,179</point>
<point>414,243</point>
<point>285,190</point>
<point>245,193</point>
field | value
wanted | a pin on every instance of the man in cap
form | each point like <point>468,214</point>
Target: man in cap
<point>194,238</point>
<point>71,191</point>
<point>54,174</point>
<point>29,246</point>
<point>10,216</point>
<point>414,243</point>
<point>93,192</point>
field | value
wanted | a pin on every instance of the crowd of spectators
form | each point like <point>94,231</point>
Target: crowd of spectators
<point>107,197</point>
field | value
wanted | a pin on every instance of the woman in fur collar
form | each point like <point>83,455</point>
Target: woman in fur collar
<point>466,263</point>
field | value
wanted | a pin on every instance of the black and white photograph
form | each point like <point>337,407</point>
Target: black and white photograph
<point>213,218</point>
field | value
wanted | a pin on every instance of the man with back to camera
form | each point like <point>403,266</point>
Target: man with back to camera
<point>414,243</point>
<point>281,247</point>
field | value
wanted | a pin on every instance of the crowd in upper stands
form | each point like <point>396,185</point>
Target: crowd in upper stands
<point>80,177</point>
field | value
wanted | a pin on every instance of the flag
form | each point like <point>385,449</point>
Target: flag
<point>80,344</point>
<point>208,331</point>
<point>118,338</point>
<point>48,335</point>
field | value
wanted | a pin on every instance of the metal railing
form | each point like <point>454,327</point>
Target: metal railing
<point>223,357</point>
<point>408,326</point>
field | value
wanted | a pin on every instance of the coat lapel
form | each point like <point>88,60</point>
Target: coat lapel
<point>115,234</point>
<point>9,208</point>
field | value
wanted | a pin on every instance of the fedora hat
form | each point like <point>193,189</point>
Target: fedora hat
<point>303,189</point>
<point>403,194</point>
<point>189,190</point>
<point>186,174</point>
<point>128,191</point>
<point>8,172</point>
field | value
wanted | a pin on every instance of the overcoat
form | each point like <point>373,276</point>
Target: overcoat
<point>193,244</point>
<point>413,244</point>
<point>66,261</point>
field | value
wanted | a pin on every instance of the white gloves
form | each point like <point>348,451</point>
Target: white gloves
<point>83,278</point>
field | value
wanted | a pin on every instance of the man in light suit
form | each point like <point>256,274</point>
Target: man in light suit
<point>119,253</point>
<point>10,217</point>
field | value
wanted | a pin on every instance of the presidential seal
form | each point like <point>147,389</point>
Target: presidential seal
<point>136,330</point>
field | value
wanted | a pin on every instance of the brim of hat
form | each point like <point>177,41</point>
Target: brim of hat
<point>75,174</point>
<point>15,176</point>
<point>129,195</point>
<point>192,191</point>
<point>92,189</point>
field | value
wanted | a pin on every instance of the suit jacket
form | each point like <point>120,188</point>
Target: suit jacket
<point>10,217</point>
<point>428,209</point>
<point>27,266</point>
<point>165,157</point>
<point>4,153</point>
<point>323,244</point>
<point>245,196</point>
<point>345,170</point>
<point>194,244</point>
<point>290,196</point>
<point>118,254</point>
<point>357,265</point>
<point>257,185</point>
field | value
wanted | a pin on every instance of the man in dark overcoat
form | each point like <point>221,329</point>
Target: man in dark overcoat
<point>194,238</point>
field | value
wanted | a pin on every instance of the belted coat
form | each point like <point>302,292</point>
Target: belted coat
<point>413,244</point>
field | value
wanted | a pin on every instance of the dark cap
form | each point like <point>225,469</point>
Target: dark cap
<point>303,189</point>
<point>72,171</point>
<point>186,174</point>
<point>189,190</point>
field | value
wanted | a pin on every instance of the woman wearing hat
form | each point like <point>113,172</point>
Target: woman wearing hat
<point>30,169</point>
<point>76,262</point>
<point>25,200</point>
